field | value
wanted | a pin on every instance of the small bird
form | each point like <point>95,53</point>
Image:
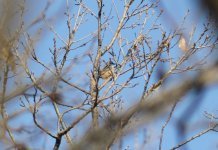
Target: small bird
<point>108,71</point>
<point>6,56</point>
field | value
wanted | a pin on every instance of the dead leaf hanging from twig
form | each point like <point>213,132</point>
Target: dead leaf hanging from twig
<point>182,44</point>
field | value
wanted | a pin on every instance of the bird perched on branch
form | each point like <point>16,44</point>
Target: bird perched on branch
<point>6,56</point>
<point>108,71</point>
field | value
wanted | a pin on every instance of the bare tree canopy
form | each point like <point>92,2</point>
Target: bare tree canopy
<point>96,75</point>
